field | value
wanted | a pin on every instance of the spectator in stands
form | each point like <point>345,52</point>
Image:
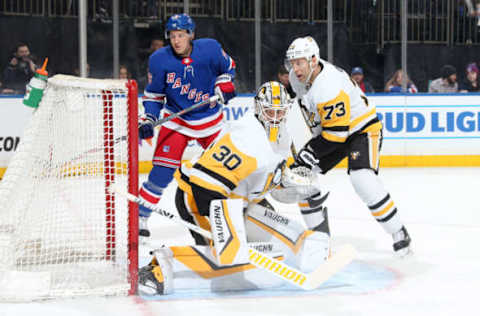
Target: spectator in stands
<point>470,83</point>
<point>359,78</point>
<point>470,7</point>
<point>157,41</point>
<point>447,83</point>
<point>394,84</point>
<point>473,10</point>
<point>19,70</point>
<point>282,76</point>
<point>123,72</point>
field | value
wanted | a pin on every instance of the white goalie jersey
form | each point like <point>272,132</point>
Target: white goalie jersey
<point>334,106</point>
<point>241,163</point>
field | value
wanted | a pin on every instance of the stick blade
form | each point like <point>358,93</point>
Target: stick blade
<point>342,257</point>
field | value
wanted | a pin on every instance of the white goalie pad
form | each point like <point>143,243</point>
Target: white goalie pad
<point>305,248</point>
<point>228,231</point>
<point>263,224</point>
<point>315,249</point>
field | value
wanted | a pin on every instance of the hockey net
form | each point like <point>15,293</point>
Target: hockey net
<point>62,233</point>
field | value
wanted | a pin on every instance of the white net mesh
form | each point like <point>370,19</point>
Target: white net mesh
<point>62,233</point>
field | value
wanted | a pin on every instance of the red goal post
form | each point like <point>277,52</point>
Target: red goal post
<point>62,233</point>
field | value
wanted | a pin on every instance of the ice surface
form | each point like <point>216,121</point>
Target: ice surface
<point>441,211</point>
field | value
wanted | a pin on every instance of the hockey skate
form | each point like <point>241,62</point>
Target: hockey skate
<point>401,242</point>
<point>157,277</point>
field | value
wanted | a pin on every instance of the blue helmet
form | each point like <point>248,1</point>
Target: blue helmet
<point>179,22</point>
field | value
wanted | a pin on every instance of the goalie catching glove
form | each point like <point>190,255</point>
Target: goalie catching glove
<point>224,88</point>
<point>145,125</point>
<point>296,184</point>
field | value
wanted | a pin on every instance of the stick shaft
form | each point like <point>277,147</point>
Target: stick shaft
<point>190,108</point>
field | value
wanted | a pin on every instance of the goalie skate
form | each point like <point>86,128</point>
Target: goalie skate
<point>157,277</point>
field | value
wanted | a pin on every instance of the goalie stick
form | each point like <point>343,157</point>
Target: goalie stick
<point>305,281</point>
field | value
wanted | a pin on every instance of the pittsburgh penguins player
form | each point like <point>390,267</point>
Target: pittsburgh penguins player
<point>344,123</point>
<point>220,191</point>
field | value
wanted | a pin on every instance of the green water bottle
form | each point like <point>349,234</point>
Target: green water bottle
<point>36,86</point>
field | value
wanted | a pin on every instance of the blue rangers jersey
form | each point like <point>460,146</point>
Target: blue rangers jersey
<point>177,83</point>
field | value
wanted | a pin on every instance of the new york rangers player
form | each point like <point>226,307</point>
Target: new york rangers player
<point>183,73</point>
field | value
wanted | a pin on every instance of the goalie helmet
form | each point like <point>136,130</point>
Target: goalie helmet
<point>179,22</point>
<point>272,103</point>
<point>302,47</point>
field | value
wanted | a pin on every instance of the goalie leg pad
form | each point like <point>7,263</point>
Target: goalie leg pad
<point>315,250</point>
<point>157,277</point>
<point>303,248</point>
<point>264,224</point>
<point>196,268</point>
<point>228,231</point>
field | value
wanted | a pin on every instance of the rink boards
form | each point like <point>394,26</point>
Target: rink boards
<point>419,130</point>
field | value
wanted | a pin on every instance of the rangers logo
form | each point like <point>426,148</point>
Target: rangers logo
<point>355,155</point>
<point>187,61</point>
<point>166,149</point>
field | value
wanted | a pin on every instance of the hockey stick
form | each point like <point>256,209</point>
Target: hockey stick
<point>186,110</point>
<point>305,281</point>
<point>175,115</point>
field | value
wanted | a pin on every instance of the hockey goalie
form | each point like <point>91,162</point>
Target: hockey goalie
<point>223,191</point>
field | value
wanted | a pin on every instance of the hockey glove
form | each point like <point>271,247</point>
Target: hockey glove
<point>146,125</point>
<point>224,88</point>
<point>305,158</point>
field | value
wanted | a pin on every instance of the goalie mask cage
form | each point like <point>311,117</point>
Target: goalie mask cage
<point>62,233</point>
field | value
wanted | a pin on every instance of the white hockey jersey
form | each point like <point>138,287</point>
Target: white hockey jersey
<point>334,106</point>
<point>240,163</point>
